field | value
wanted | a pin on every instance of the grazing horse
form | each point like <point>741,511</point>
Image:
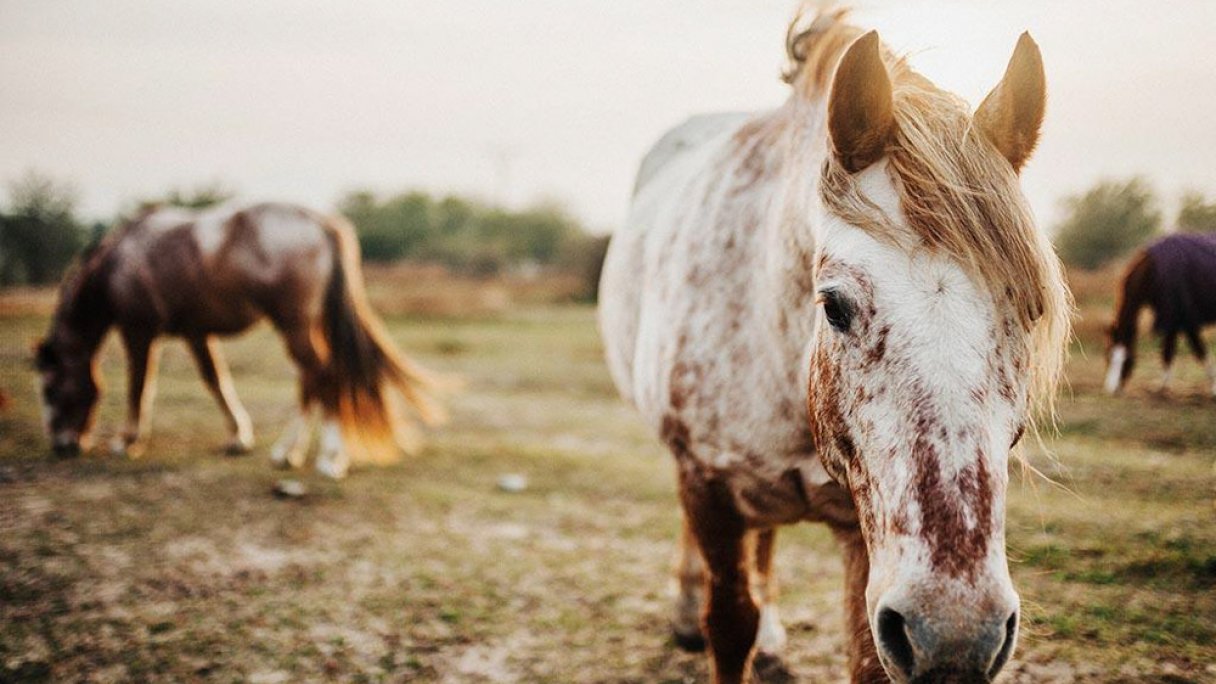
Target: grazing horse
<point>201,275</point>
<point>864,251</point>
<point>1176,278</point>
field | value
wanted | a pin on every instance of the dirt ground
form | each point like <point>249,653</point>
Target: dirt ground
<point>181,565</point>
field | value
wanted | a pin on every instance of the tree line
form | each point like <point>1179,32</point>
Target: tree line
<point>41,231</point>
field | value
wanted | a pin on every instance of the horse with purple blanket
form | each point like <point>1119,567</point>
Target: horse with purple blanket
<point>1175,277</point>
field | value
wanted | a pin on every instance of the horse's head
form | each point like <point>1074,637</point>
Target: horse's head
<point>942,316</point>
<point>69,392</point>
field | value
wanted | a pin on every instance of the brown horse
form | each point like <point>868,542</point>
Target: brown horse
<point>864,251</point>
<point>1176,278</point>
<point>199,276</point>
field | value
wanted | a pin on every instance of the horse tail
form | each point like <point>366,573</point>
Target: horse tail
<point>364,363</point>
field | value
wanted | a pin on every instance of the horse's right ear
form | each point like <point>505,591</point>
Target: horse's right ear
<point>861,116</point>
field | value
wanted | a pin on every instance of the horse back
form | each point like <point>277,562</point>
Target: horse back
<point>221,270</point>
<point>1183,278</point>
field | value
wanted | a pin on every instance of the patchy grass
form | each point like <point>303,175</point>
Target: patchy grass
<point>181,565</point>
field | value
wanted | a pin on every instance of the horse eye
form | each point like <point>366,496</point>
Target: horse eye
<point>836,309</point>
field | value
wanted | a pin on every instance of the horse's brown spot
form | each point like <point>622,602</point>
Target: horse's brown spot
<point>674,433</point>
<point>954,547</point>
<point>876,352</point>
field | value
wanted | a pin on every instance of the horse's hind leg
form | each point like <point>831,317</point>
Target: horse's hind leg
<point>291,449</point>
<point>731,619</point>
<point>771,639</point>
<point>142,354</point>
<point>317,386</point>
<point>214,371</point>
<point>690,583</point>
<point>1201,353</point>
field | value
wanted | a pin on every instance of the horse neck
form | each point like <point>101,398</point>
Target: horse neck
<point>85,313</point>
<point>791,239</point>
<point>1133,297</point>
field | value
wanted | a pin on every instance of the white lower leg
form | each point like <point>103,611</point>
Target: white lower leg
<point>332,459</point>
<point>291,448</point>
<point>242,431</point>
<point>1210,367</point>
<point>771,637</point>
<point>1166,376</point>
<point>1114,373</point>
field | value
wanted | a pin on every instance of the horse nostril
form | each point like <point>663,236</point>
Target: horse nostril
<point>893,638</point>
<point>1011,636</point>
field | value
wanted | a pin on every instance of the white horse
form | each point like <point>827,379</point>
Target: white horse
<point>864,250</point>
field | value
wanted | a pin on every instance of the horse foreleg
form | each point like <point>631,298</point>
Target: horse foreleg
<point>771,639</point>
<point>731,619</point>
<point>864,665</point>
<point>142,354</point>
<point>214,371</point>
<point>690,585</point>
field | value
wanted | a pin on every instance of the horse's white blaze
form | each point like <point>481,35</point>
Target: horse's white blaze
<point>1114,373</point>
<point>944,325</point>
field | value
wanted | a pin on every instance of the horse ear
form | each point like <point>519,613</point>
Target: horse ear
<point>1013,112</point>
<point>861,117</point>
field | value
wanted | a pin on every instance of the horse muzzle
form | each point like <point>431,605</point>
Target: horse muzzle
<point>928,646</point>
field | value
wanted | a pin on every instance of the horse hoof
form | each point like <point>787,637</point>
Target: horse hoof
<point>771,669</point>
<point>122,448</point>
<point>237,448</point>
<point>331,470</point>
<point>689,642</point>
<point>66,451</point>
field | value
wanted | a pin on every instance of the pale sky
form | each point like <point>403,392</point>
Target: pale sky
<point>522,100</point>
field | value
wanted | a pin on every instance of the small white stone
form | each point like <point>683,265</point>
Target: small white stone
<point>290,489</point>
<point>513,483</point>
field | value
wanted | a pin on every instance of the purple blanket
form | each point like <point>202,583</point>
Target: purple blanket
<point>1184,270</point>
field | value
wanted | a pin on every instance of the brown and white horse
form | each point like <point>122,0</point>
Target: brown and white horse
<point>1176,278</point>
<point>864,249</point>
<point>202,275</point>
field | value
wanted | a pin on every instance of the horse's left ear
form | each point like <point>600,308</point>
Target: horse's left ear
<point>1013,112</point>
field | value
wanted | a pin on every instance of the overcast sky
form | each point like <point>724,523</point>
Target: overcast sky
<point>520,100</point>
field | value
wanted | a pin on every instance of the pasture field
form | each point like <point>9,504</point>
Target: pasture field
<point>181,565</point>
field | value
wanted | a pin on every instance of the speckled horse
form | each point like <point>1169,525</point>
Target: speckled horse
<point>202,275</point>
<point>864,251</point>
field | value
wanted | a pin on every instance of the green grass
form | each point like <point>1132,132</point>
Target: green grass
<point>181,565</point>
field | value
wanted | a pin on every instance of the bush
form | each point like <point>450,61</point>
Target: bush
<point>465,235</point>
<point>39,234</point>
<point>1196,215</point>
<point>1106,222</point>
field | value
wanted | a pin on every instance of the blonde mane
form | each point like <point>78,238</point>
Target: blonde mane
<point>959,195</point>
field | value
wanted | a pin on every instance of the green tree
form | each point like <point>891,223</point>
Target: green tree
<point>1106,222</point>
<point>40,233</point>
<point>1196,215</point>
